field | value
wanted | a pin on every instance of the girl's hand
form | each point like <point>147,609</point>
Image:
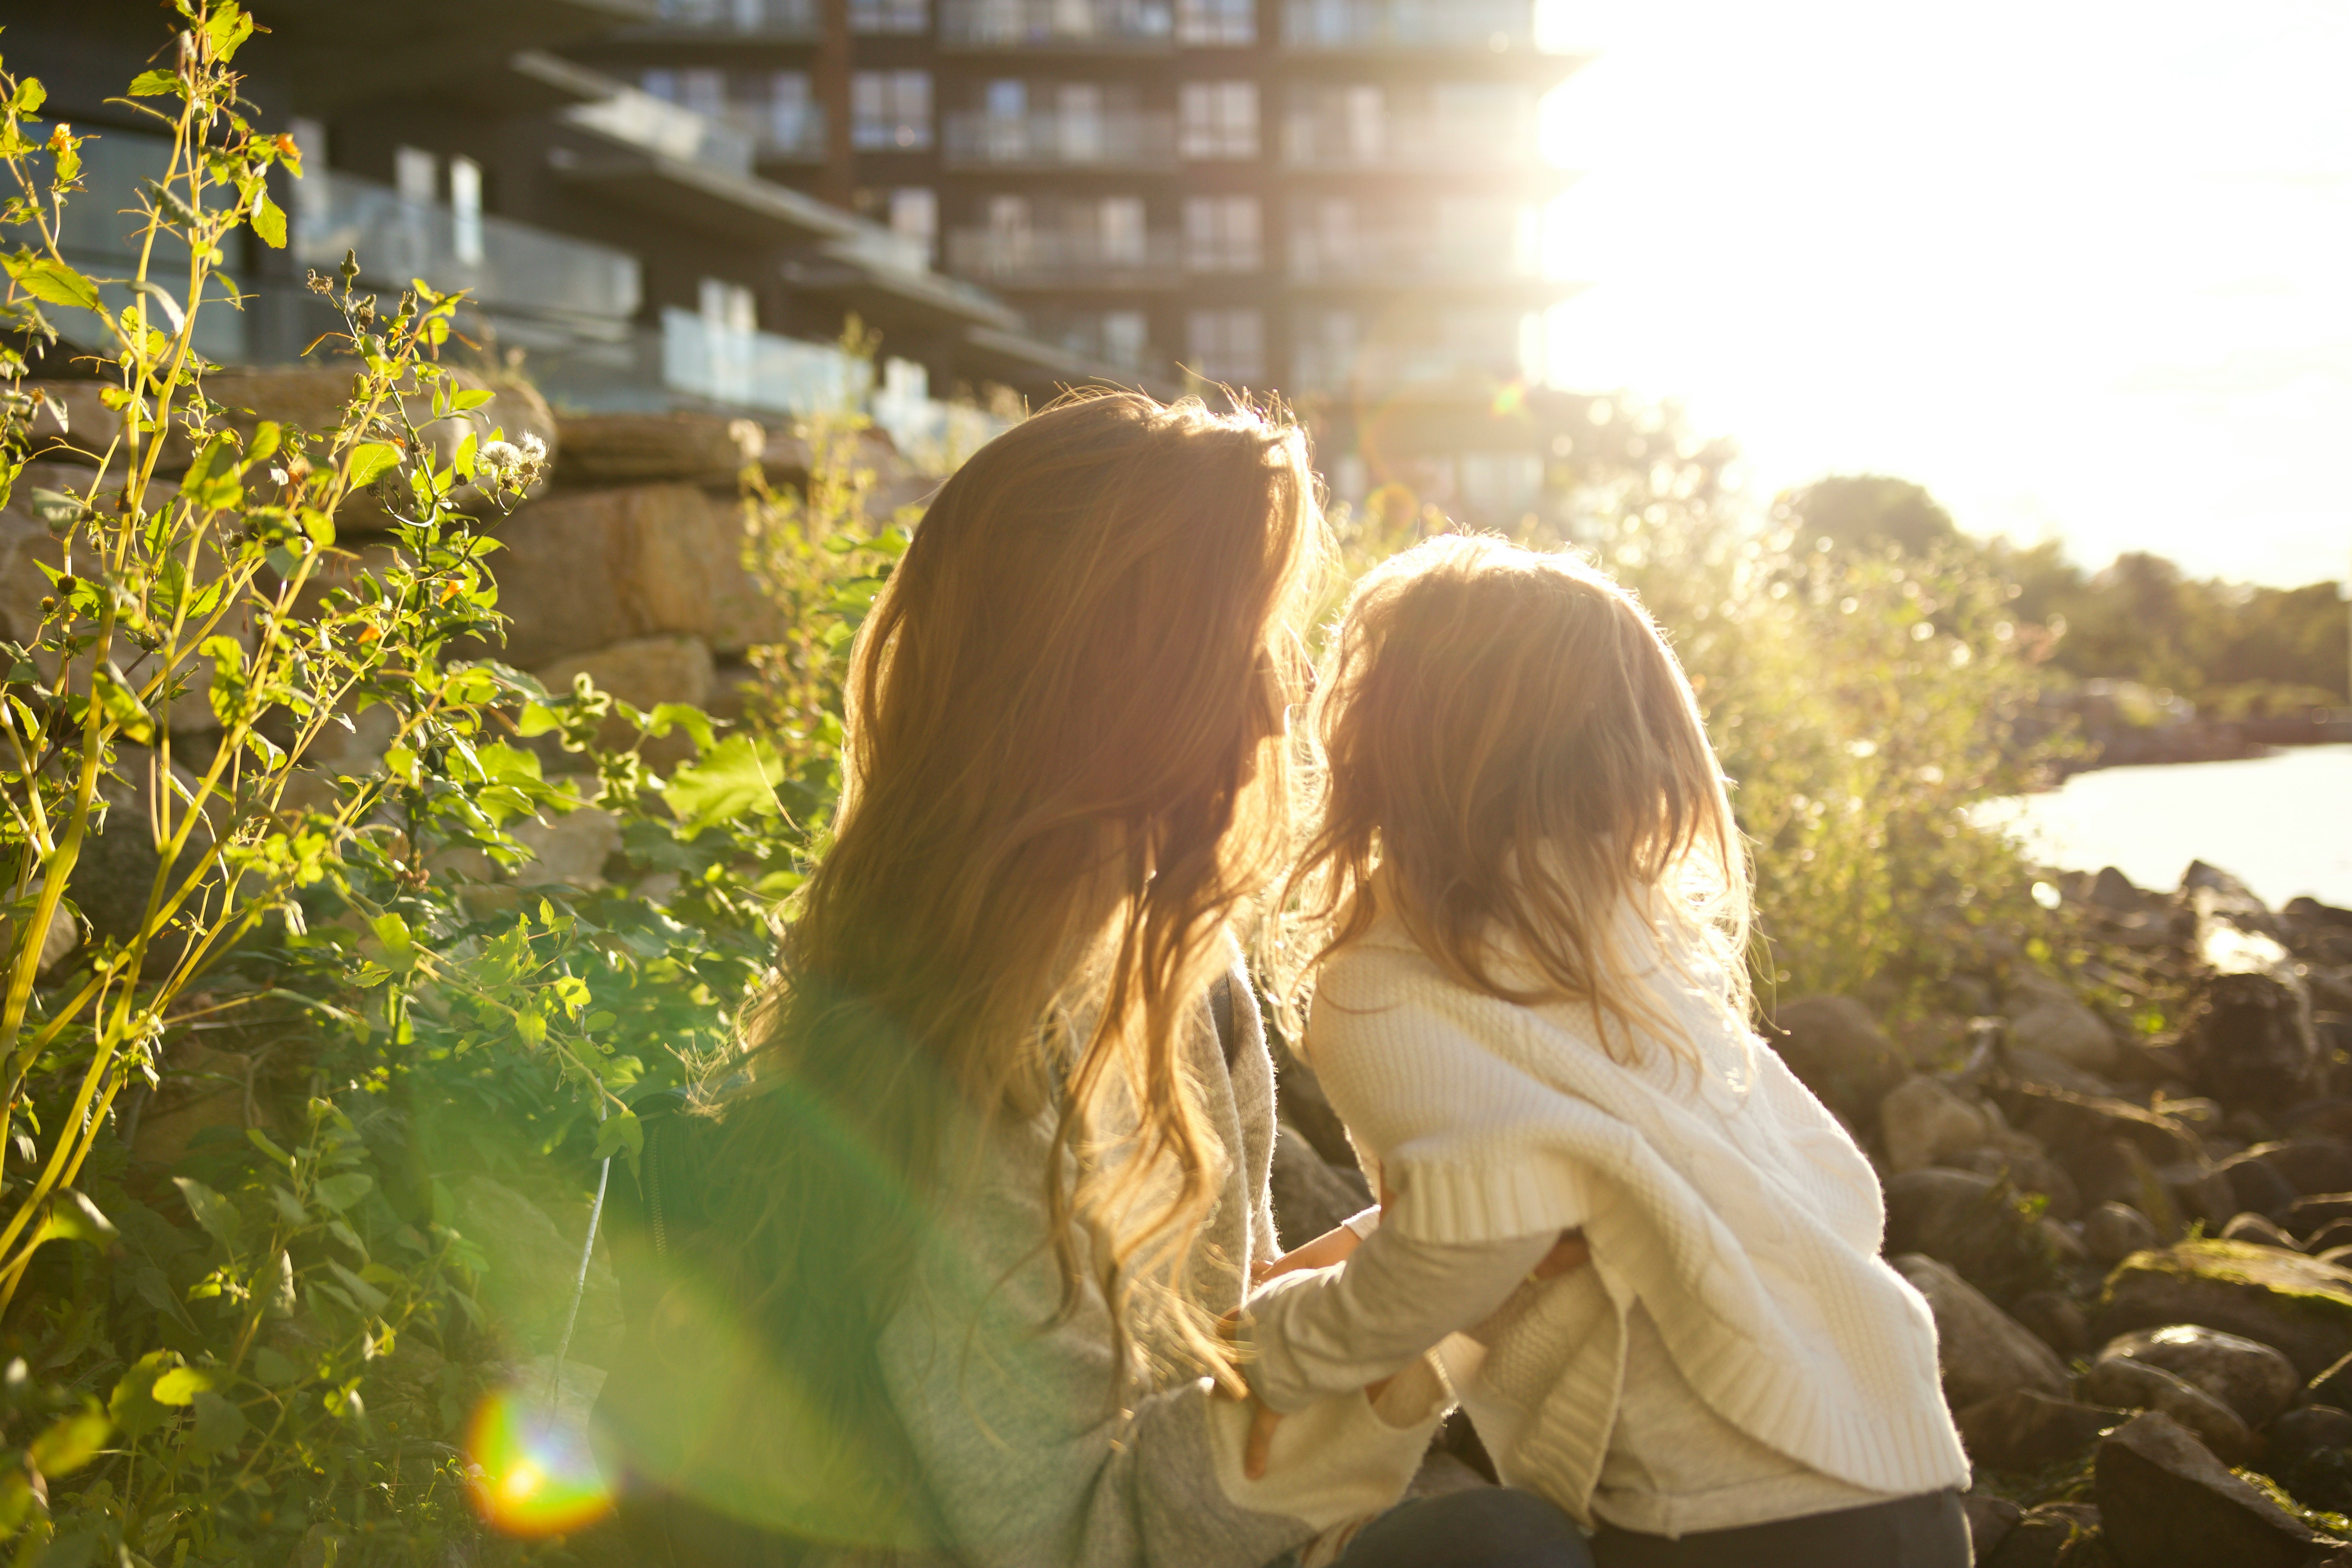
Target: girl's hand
<point>1333,1245</point>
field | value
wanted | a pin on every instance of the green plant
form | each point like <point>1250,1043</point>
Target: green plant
<point>252,1327</point>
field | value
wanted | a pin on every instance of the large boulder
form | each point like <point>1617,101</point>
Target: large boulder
<point>686,446</point>
<point>2298,1306</point>
<point>1923,1124</point>
<point>2113,1231</point>
<point>582,570</point>
<point>1977,1224</point>
<point>2037,1175</point>
<point>2251,1379</point>
<point>2129,1384</point>
<point>2250,1036</point>
<point>1837,1049</point>
<point>2025,1430</point>
<point>2046,1015</point>
<point>1983,1352</point>
<point>2167,1502</point>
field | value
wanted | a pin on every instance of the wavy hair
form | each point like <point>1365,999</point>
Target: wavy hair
<point>1510,755</point>
<point>1065,776</point>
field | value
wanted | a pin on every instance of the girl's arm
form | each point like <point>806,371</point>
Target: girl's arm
<point>1333,1245</point>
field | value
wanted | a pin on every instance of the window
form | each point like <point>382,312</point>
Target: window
<point>1226,345</point>
<point>1124,335</point>
<point>887,17</point>
<point>1213,22</point>
<point>466,211</point>
<point>915,214</point>
<point>727,307</point>
<point>1325,346</point>
<point>1483,119</point>
<point>1219,119</point>
<point>1008,99</point>
<point>1122,231</point>
<point>891,109</point>
<point>415,174</point>
<point>794,123</point>
<point>1079,112</point>
<point>1221,234</point>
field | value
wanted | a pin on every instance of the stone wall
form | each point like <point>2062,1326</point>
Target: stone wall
<point>625,564</point>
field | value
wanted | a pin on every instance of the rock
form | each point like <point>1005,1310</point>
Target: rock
<point>2259,1231</point>
<point>2307,1216</point>
<point>642,672</point>
<point>2256,1183</point>
<point>1991,1518</point>
<point>2111,889</point>
<point>2167,1502</point>
<point>2312,1166</point>
<point>1983,1352</point>
<point>2047,1537</point>
<point>2297,1306</point>
<point>1974,1223</point>
<point>2251,1040</point>
<point>1923,1124</point>
<point>2112,1232</point>
<point>2064,1121</point>
<point>2036,1174</point>
<point>2024,1430</point>
<point>582,570</point>
<point>2333,1385</point>
<point>570,850</point>
<point>2201,1193</point>
<point>1837,1049</point>
<point>2042,1069</point>
<point>2216,895</point>
<point>2046,1015</point>
<point>2137,1386</point>
<point>2054,1320</point>
<point>57,940</point>
<point>2251,1379</point>
<point>692,448</point>
<point>1310,1197</point>
<point>2298,1434</point>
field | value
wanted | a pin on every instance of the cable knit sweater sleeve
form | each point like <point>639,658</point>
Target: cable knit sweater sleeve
<point>1008,1403</point>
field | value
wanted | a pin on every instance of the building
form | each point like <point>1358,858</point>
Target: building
<point>626,251</point>
<point>1339,201</point>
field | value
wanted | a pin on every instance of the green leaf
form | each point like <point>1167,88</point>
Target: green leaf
<point>371,459</point>
<point>369,1298</point>
<point>220,1426</point>
<point>69,1442</point>
<point>737,776</point>
<point>269,222</point>
<point>51,281</point>
<point>30,95</point>
<point>618,1133</point>
<point>340,1192</point>
<point>122,707</point>
<point>73,1217</point>
<point>155,84</point>
<point>181,1384</point>
<point>668,716</point>
<point>471,398</point>
<point>214,1212</point>
<point>263,1141</point>
<point>132,1404</point>
<point>538,720</point>
<point>289,1208</point>
<point>273,1369</point>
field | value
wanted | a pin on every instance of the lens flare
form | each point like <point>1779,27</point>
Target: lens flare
<point>537,1475</point>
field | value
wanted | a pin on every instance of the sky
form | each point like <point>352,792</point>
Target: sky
<point>2082,268</point>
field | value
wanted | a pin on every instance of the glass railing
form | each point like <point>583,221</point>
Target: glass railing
<point>795,19</point>
<point>1117,340</point>
<point>1056,23</point>
<point>504,265</point>
<point>1120,139</point>
<point>1498,26</point>
<point>1311,141</point>
<point>756,370</point>
<point>639,119</point>
<point>1047,256</point>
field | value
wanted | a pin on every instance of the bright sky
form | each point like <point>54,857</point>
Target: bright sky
<point>2083,267</point>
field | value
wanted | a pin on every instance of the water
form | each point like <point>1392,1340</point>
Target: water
<point>2281,824</point>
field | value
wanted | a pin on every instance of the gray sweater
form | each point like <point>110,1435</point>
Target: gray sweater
<point>1007,1411</point>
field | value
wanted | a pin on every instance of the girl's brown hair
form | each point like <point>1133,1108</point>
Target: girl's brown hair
<point>1508,740</point>
<point>1065,776</point>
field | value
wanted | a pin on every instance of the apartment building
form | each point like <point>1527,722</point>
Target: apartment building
<point>1339,201</point>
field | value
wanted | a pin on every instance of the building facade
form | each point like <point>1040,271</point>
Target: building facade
<point>1341,202</point>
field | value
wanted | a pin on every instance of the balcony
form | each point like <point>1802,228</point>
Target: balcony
<point>1121,139</point>
<point>756,21</point>
<point>1073,257</point>
<point>1386,369</point>
<point>1073,25</point>
<point>506,267</point>
<point>1408,258</point>
<point>1418,142</point>
<point>1485,27</point>
<point>756,370</point>
<point>650,125</point>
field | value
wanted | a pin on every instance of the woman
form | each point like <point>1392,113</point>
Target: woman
<point>1002,1164</point>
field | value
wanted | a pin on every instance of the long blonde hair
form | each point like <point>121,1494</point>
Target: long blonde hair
<point>1065,776</point>
<point>1508,740</point>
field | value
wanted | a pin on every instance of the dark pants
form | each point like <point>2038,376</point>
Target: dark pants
<point>1480,1527</point>
<point>1924,1532</point>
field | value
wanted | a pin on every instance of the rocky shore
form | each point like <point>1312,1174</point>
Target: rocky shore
<point>2137,1246</point>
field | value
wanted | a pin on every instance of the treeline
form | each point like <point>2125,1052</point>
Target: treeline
<point>2234,650</point>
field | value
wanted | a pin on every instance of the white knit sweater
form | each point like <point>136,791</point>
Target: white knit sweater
<point>1725,1210</point>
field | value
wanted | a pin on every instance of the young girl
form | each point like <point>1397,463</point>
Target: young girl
<point>1529,901</point>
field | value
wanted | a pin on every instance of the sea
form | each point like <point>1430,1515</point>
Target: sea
<point>2281,824</point>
